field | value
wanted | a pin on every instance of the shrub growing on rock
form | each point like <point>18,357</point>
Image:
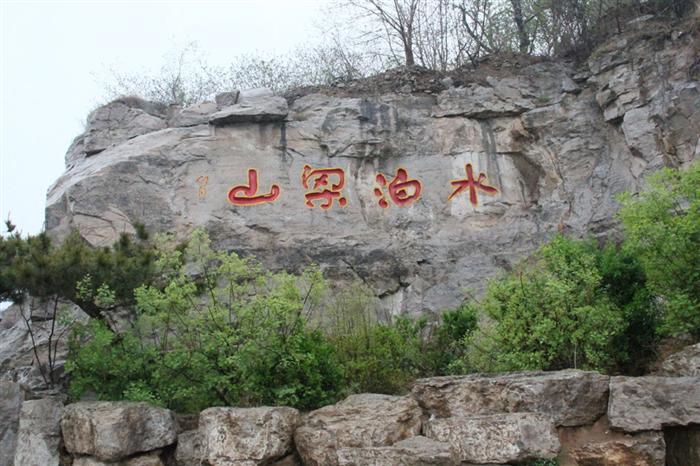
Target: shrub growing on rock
<point>571,305</point>
<point>662,229</point>
<point>219,332</point>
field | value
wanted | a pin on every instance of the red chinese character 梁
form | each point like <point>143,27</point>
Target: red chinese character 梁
<point>327,186</point>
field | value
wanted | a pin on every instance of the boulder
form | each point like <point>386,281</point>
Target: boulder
<point>17,357</point>
<point>119,121</point>
<point>258,110</point>
<point>151,459</point>
<point>226,99</point>
<point>197,114</point>
<point>645,449</point>
<point>568,398</point>
<point>359,421</point>
<point>246,436</point>
<point>497,438</point>
<point>11,397</point>
<point>112,431</point>
<point>39,437</point>
<point>414,451</point>
<point>685,363</point>
<point>598,444</point>
<point>189,449</point>
<point>476,101</point>
<point>247,96</point>
<point>651,403</point>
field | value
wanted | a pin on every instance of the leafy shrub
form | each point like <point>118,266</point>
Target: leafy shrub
<point>381,354</point>
<point>446,344</point>
<point>377,355</point>
<point>219,332</point>
<point>37,267</point>
<point>662,228</point>
<point>554,311</point>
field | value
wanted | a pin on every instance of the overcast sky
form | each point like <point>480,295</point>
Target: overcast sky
<point>54,53</point>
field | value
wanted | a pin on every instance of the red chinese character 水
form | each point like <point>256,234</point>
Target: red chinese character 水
<point>473,185</point>
<point>328,184</point>
<point>402,190</point>
<point>247,195</point>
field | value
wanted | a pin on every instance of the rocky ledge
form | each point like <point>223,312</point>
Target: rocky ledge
<point>580,418</point>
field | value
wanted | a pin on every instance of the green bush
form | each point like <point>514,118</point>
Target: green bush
<point>219,332</point>
<point>377,354</point>
<point>35,266</point>
<point>563,308</point>
<point>662,229</point>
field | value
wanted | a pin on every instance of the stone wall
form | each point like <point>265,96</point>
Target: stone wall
<point>581,418</point>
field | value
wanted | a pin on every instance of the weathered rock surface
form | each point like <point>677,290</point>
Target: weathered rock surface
<point>17,358</point>
<point>359,421</point>
<point>151,459</point>
<point>197,114</point>
<point>646,449</point>
<point>590,444</point>
<point>120,121</point>
<point>556,143</point>
<point>685,363</point>
<point>569,398</point>
<point>497,438</point>
<point>39,436</point>
<point>246,436</point>
<point>226,99</point>
<point>11,397</point>
<point>414,451</point>
<point>189,449</point>
<point>651,403</point>
<point>115,430</point>
<point>256,110</point>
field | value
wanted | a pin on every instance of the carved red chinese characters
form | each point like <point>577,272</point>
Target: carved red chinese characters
<point>202,182</point>
<point>247,195</point>
<point>324,184</point>
<point>472,185</point>
<point>402,190</point>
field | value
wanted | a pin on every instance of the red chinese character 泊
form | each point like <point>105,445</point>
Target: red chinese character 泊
<point>322,187</point>
<point>472,185</point>
<point>401,190</point>
<point>247,194</point>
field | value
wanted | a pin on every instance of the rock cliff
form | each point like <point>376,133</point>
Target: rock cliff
<point>420,189</point>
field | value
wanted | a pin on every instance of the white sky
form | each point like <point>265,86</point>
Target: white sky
<point>51,51</point>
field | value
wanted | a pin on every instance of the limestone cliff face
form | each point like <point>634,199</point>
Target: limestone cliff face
<point>549,146</point>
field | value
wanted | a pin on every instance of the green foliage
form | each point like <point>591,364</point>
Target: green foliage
<point>662,228</point>
<point>541,462</point>
<point>557,310</point>
<point>37,267</point>
<point>376,355</point>
<point>380,354</point>
<point>219,332</point>
<point>446,346</point>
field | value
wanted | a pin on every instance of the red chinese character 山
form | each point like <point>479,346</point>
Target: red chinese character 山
<point>247,195</point>
<point>472,185</point>
<point>323,184</point>
<point>402,190</point>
